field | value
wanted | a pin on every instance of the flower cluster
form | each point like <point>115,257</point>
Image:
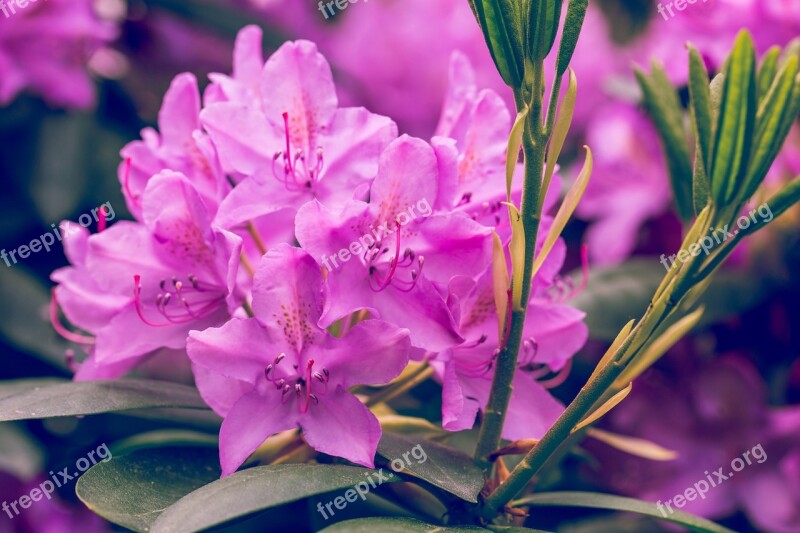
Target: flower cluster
<point>239,200</point>
<point>45,48</point>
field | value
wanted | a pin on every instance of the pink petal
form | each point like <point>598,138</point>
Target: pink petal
<point>287,296</point>
<point>532,410</point>
<point>373,352</point>
<point>255,417</point>
<point>342,426</point>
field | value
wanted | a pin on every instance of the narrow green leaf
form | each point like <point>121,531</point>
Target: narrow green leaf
<point>543,21</point>
<point>700,93</point>
<point>256,489</point>
<point>594,500</point>
<point>498,21</point>
<point>604,409</point>
<point>776,114</point>
<point>665,110</point>
<point>767,71</point>
<point>659,347</point>
<point>500,283</point>
<point>560,131</point>
<point>634,446</point>
<point>517,252</point>
<point>132,490</point>
<point>778,204</point>
<point>92,397</point>
<point>512,152</point>
<point>444,467</point>
<point>576,13</point>
<point>395,525</point>
<point>737,118</point>
<point>701,189</point>
<point>565,211</point>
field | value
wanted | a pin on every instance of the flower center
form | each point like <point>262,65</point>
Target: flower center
<point>306,388</point>
<point>299,171</point>
<point>179,302</point>
<point>374,260</point>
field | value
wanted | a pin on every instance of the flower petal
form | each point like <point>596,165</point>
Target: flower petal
<point>257,416</point>
<point>342,426</point>
<point>373,352</point>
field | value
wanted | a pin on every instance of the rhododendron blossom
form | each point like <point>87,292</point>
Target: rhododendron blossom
<point>280,370</point>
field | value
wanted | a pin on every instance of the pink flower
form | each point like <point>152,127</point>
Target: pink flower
<point>629,183</point>
<point>394,256</point>
<point>279,370</point>
<point>45,48</point>
<point>181,146</point>
<point>293,143</point>
<point>140,288</point>
<point>553,333</point>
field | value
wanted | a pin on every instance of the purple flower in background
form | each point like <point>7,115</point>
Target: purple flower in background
<point>45,48</point>
<point>361,40</point>
<point>710,419</point>
<point>629,183</point>
<point>139,288</point>
<point>49,514</point>
<point>394,256</point>
<point>279,370</point>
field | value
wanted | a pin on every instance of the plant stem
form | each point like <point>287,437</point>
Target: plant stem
<point>536,458</point>
<point>500,395</point>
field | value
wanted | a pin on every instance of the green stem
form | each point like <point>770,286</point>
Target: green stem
<point>500,395</point>
<point>536,458</point>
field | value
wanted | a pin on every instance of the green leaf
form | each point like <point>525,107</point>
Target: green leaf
<point>702,116</point>
<point>616,295</point>
<point>736,121</point>
<point>444,467</point>
<point>544,16</point>
<point>560,130</point>
<point>256,489</point>
<point>45,400</point>
<point>776,114</point>
<point>163,438</point>
<point>576,13</point>
<point>23,316</point>
<point>594,500</point>
<point>132,490</point>
<point>701,189</point>
<point>778,204</point>
<point>767,71</point>
<point>665,110</point>
<point>498,21</point>
<point>395,525</point>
